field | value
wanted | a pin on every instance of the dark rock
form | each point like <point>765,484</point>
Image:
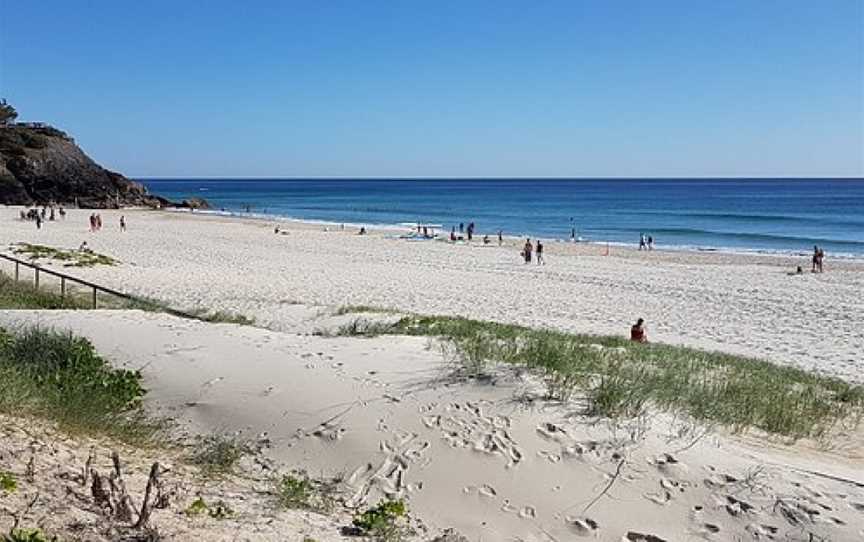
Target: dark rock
<point>194,203</point>
<point>40,164</point>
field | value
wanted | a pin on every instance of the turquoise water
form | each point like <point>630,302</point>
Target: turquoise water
<point>743,214</point>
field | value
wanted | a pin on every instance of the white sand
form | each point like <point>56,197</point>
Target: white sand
<point>739,304</point>
<point>493,460</point>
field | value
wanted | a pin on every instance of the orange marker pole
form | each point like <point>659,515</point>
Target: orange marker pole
<point>607,249</point>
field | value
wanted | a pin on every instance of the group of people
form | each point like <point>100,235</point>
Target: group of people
<point>646,242</point>
<point>469,231</point>
<point>528,249</point>
<point>39,216</point>
<point>96,222</point>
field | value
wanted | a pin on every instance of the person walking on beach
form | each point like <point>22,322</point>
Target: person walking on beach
<point>642,241</point>
<point>815,258</point>
<point>820,256</point>
<point>650,243</point>
<point>38,222</point>
<point>527,250</point>
<point>540,260</point>
<point>500,238</point>
<point>461,227</point>
<point>122,223</point>
<point>638,333</point>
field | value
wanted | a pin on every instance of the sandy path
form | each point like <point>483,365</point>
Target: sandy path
<point>740,304</point>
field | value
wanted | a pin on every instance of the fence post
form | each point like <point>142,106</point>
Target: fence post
<point>37,278</point>
<point>16,271</point>
<point>94,297</point>
<point>62,287</point>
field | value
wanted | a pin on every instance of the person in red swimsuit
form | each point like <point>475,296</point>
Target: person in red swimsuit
<point>637,332</point>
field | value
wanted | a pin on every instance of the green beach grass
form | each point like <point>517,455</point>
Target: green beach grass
<point>618,378</point>
<point>24,295</point>
<point>71,258</point>
<point>59,377</point>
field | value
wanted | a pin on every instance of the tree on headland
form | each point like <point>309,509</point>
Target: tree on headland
<point>7,113</point>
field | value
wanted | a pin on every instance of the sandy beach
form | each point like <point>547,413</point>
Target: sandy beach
<point>495,459</point>
<point>741,304</point>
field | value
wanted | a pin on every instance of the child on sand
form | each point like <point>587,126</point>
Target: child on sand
<point>638,333</point>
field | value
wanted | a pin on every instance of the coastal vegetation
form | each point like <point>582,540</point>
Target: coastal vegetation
<point>59,377</point>
<point>299,491</point>
<point>219,454</point>
<point>617,378</point>
<point>21,295</point>
<point>72,258</point>
<point>384,522</point>
<point>24,295</point>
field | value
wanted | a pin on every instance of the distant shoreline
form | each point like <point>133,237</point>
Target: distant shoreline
<point>443,235</point>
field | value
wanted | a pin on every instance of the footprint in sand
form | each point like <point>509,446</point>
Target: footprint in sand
<point>633,536</point>
<point>487,491</point>
<point>389,476</point>
<point>465,426</point>
<point>761,531</point>
<point>859,506</point>
<point>582,526</point>
<point>662,498</point>
<point>528,512</point>
<point>709,529</point>
<point>549,456</point>
<point>736,507</point>
<point>717,481</point>
<point>328,431</point>
<point>670,465</point>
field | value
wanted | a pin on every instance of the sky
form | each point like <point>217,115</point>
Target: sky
<point>465,88</point>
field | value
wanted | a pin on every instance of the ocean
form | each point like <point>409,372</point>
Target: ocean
<point>760,215</point>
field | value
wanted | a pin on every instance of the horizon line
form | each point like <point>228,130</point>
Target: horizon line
<point>495,178</point>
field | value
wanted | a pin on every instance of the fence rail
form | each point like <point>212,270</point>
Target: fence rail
<point>64,278</point>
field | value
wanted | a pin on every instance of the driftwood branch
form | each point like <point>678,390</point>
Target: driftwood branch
<point>123,502</point>
<point>152,481</point>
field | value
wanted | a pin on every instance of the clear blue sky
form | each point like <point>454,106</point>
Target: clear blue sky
<point>441,88</point>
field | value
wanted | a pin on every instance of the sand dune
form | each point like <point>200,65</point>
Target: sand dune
<point>493,459</point>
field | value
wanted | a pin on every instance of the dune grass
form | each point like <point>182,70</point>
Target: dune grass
<point>59,377</point>
<point>71,258</point>
<point>22,295</point>
<point>619,378</point>
<point>219,454</point>
<point>356,309</point>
